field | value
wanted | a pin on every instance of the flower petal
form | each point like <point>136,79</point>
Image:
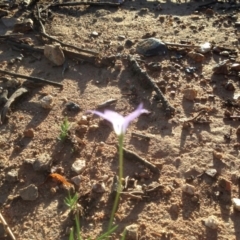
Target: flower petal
<point>132,116</point>
<point>116,119</point>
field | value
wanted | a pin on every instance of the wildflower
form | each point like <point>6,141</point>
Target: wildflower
<point>120,123</point>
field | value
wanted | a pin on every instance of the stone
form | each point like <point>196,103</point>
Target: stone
<point>204,48</point>
<point>225,184</point>
<point>235,67</point>
<point>54,54</point>
<point>151,47</point>
<point>197,57</point>
<point>29,133</point>
<point>211,222</point>
<point>189,189</point>
<point>237,24</point>
<point>83,120</point>
<point>79,165</point>
<point>99,187</point>
<point>189,93</point>
<point>29,193</point>
<point>221,68</point>
<point>9,22</point>
<point>236,203</point>
<point>42,163</point>
<point>74,107</point>
<point>211,172</point>
<point>121,37</point>
<point>12,176</point>
<point>47,102</point>
<point>24,26</point>
<point>129,43</point>
<point>76,180</point>
<point>224,53</point>
<point>94,34</point>
<point>131,232</point>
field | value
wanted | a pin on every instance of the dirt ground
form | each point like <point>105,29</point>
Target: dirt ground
<point>182,150</point>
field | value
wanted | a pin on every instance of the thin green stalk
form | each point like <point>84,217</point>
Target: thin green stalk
<point>77,222</point>
<point>119,189</point>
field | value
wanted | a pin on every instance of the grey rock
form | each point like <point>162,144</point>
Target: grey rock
<point>9,22</point>
<point>74,107</point>
<point>132,232</point>
<point>42,163</point>
<point>12,176</point>
<point>29,193</point>
<point>151,47</point>
<point>76,180</point>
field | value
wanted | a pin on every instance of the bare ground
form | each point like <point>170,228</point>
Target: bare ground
<point>182,154</point>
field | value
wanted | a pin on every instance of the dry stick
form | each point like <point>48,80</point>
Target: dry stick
<point>74,55</point>
<point>43,33</point>
<point>86,3</point>
<point>7,227</point>
<point>7,105</point>
<point>140,136</point>
<point>35,79</point>
<point>148,81</point>
<point>133,156</point>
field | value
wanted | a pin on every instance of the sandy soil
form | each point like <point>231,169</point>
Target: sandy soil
<point>181,151</point>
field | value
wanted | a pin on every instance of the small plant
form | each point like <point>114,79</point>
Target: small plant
<point>71,202</point>
<point>120,125</point>
<point>64,129</point>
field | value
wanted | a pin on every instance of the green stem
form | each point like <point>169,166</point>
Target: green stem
<point>120,175</point>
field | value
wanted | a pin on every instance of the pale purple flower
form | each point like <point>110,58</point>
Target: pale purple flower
<point>120,123</point>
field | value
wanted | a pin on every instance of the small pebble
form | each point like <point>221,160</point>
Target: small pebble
<point>29,193</point>
<point>211,172</point>
<point>121,37</point>
<point>190,93</point>
<point>12,176</point>
<point>94,34</point>
<point>236,203</point>
<point>43,162</point>
<point>29,133</point>
<point>211,222</point>
<point>132,232</point>
<point>83,120</point>
<point>76,180</point>
<point>47,102</point>
<point>79,165</point>
<point>189,189</point>
<point>99,187</point>
<point>74,107</point>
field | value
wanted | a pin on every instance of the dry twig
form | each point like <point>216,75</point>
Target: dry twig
<point>6,227</point>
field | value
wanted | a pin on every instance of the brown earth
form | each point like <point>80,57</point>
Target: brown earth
<point>182,151</point>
